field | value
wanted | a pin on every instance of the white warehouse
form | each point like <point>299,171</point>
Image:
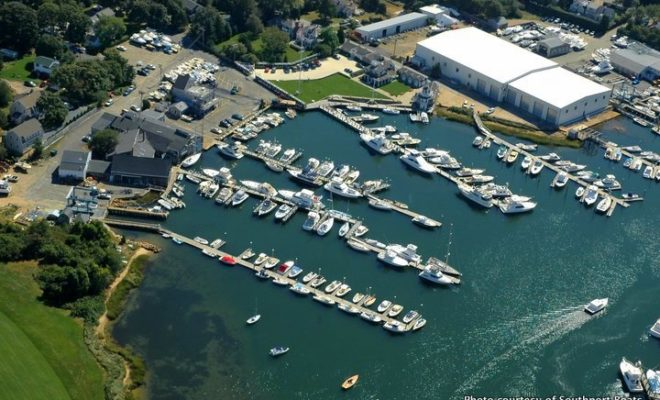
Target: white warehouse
<point>392,26</point>
<point>507,73</point>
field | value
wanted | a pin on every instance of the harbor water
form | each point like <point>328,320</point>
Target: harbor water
<point>515,325</point>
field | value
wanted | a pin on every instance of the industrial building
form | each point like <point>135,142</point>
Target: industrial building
<point>637,61</point>
<point>440,15</point>
<point>392,26</point>
<point>507,73</point>
<point>552,46</point>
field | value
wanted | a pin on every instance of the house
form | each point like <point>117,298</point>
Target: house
<point>291,26</point>
<point>104,12</point>
<point>191,6</point>
<point>20,138</point>
<point>354,52</point>
<point>595,10</point>
<point>74,164</point>
<point>497,23</point>
<point>24,107</point>
<point>379,73</point>
<point>412,78</point>
<point>552,46</point>
<point>44,66</point>
<point>200,99</point>
<point>307,36</point>
<point>441,15</point>
<point>177,110</point>
<point>347,8</point>
<point>139,171</point>
<point>637,61</point>
<point>8,54</point>
<point>153,114</point>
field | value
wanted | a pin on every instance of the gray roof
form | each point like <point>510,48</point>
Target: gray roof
<point>27,128</point>
<point>636,61</point>
<point>124,164</point>
<point>388,23</point>
<point>30,99</point>
<point>183,82</point>
<point>74,157</point>
<point>180,105</point>
<point>103,122</point>
<point>411,72</point>
<point>46,61</point>
<point>69,166</point>
<point>153,114</point>
<point>98,167</point>
<point>552,42</point>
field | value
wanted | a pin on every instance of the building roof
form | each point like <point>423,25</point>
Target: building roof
<point>485,54</point>
<point>153,114</point>
<point>75,157</point>
<point>45,61</point>
<point>566,88</point>
<point>636,61</point>
<point>180,105</point>
<point>98,167</point>
<point>401,19</point>
<point>27,128</point>
<point>124,164</point>
<point>29,100</point>
<point>553,42</point>
<point>433,9</point>
<point>183,82</point>
<point>103,122</point>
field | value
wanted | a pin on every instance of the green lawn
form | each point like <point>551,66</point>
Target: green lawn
<point>18,70</point>
<point>313,90</point>
<point>257,44</point>
<point>396,88</point>
<point>43,352</point>
<point>294,55</point>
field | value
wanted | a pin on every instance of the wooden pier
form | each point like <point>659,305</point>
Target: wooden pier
<point>137,212</point>
<point>497,140</point>
<point>271,273</point>
<point>594,136</point>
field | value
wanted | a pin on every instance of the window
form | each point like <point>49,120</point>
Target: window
<point>444,64</point>
<point>595,100</point>
<point>456,69</point>
<point>585,103</point>
<point>603,97</point>
<point>575,108</point>
<point>469,75</point>
<point>566,111</point>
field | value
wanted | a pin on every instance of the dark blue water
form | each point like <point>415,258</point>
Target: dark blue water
<point>515,326</point>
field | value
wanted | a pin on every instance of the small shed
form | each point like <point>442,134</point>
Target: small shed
<point>177,110</point>
<point>552,46</point>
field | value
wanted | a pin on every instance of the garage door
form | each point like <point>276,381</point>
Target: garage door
<point>511,96</point>
<point>551,116</point>
<point>524,104</point>
<point>481,86</point>
<point>494,93</point>
<point>538,109</point>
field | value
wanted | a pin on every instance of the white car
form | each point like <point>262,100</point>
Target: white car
<point>135,108</point>
<point>108,103</point>
<point>217,131</point>
<point>490,110</point>
<point>186,118</point>
<point>121,48</point>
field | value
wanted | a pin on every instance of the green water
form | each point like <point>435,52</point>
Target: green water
<point>514,327</point>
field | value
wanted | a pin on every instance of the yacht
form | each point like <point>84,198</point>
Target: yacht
<point>604,204</point>
<point>404,139</point>
<point>312,219</point>
<point>282,211</point>
<point>655,329</point>
<point>560,180</point>
<point>551,157</point>
<point>384,306</point>
<point>299,288</point>
<point>473,194</point>
<point>395,326</point>
<point>608,183</point>
<point>230,150</point>
<point>391,257</point>
<point>432,273</point>
<point>384,129</point>
<point>379,143</point>
<point>478,141</point>
<point>641,122</point>
<point>352,107</point>
<point>352,176</point>
<point>414,159</point>
<point>341,171</point>
<point>512,156</point>
<point>344,229</point>
<point>394,310</point>
<point>224,176</point>
<point>590,194</point>
<point>334,285</point>
<point>273,150</point>
<point>410,315</point>
<point>325,226</point>
<point>343,290</point>
<point>537,166</point>
<point>478,179</point>
<point>445,161</point>
<point>527,147</point>
<point>210,172</point>
<point>191,160</point>
<point>632,375</point>
<point>572,167</point>
<point>239,197</point>
<point>526,162</point>
<point>338,187</point>
<point>357,245</point>
<point>264,188</point>
<point>596,306</point>
<point>201,240</point>
<point>365,118</point>
<point>324,299</point>
<point>349,308</point>
<point>287,156</point>
<point>381,204</point>
<point>278,351</point>
<point>409,252</point>
<point>510,206</point>
<point>304,198</point>
<point>371,317</point>
<point>588,176</point>
<point>426,222</point>
<point>391,111</point>
<point>325,168</point>
<point>469,172</point>
<point>497,191</point>
<point>266,207</point>
<point>262,147</point>
<point>309,177</point>
<point>653,379</point>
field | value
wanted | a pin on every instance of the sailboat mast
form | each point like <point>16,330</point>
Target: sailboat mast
<point>449,244</point>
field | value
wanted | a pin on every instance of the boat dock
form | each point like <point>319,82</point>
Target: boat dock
<point>616,201</point>
<point>594,136</point>
<point>401,208</point>
<point>137,212</point>
<point>358,308</point>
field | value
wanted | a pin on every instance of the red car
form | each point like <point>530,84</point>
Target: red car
<point>229,260</point>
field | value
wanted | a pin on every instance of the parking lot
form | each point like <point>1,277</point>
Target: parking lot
<point>328,67</point>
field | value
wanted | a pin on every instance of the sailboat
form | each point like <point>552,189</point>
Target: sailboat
<point>255,318</point>
<point>433,272</point>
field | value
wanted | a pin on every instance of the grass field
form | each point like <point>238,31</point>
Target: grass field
<point>396,88</point>
<point>18,70</point>
<point>257,44</point>
<point>43,352</point>
<point>317,89</point>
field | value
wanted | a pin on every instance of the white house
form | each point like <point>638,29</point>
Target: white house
<point>441,15</point>
<point>22,137</point>
<point>45,65</point>
<point>24,107</point>
<point>74,164</point>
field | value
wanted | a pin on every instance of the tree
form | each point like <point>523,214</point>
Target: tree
<point>329,37</point>
<point>6,95</point>
<point>84,82</point>
<point>275,43</point>
<point>117,67</point>
<point>103,143</point>
<point>327,10</point>
<point>78,25</point>
<point>53,109</point>
<point>37,149</point>
<point>493,9</point>
<point>48,15</point>
<point>146,104</point>
<point>341,35</point>
<point>254,25</point>
<point>323,49</point>
<point>50,46</point>
<point>4,121</point>
<point>241,12</point>
<point>19,26</point>
<point>208,27</point>
<point>109,29</point>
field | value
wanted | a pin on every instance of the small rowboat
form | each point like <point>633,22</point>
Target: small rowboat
<point>350,382</point>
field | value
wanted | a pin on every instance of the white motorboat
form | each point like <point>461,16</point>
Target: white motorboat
<point>631,197</point>
<point>357,245</point>
<point>391,111</point>
<point>394,310</point>
<point>580,192</point>
<point>474,195</point>
<point>384,129</point>
<point>344,229</point>
<point>352,176</point>
<point>262,187</point>
<point>325,168</point>
<point>210,172</point>
<point>426,222</point>
<point>310,177</point>
<point>239,197</point>
<point>349,308</point>
<point>201,240</point>
<point>526,162</point>
<point>381,204</point>
<point>325,226</point>
<point>224,195</point>
<point>299,288</point>
<point>537,166</point>
<point>343,290</point>
<point>360,231</point>
<point>408,252</point>
<point>262,274</point>
<point>260,258</point>
<point>365,118</point>
<point>375,243</point>
<point>312,219</point>
<point>653,378</point>
<point>433,273</point>
<point>527,147</point>
<point>341,171</point>
<point>338,187</point>
<point>604,204</point>
<point>287,156</point>
<point>414,159</point>
<point>304,198</point>
<point>384,306</point>
<point>596,306</point>
<point>310,276</point>
<point>395,327</point>
<point>324,299</point>
<point>270,262</point>
<point>608,183</point>
<point>641,122</point>
<point>511,206</point>
<point>282,211</point>
<point>353,107</point>
<point>572,167</point>
<point>497,191</point>
<point>253,319</point>
<point>358,297</point>
<point>391,257</point>
<point>463,172</point>
<point>551,157</point>
<point>560,180</point>
<point>379,143</point>
<point>648,172</point>
<point>266,207</point>
<point>410,315</point>
<point>278,351</point>
<point>478,141</point>
<point>588,176</point>
<point>419,324</point>
<point>512,156</point>
<point>632,375</point>
<point>655,329</point>
<point>371,317</point>
<point>318,281</point>
<point>273,150</point>
<point>191,160</point>
<point>230,150</point>
<point>290,113</point>
<point>478,179</point>
<point>334,285</point>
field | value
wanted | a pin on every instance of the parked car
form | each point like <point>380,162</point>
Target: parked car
<point>108,103</point>
<point>30,84</point>
<point>121,48</point>
<point>217,131</point>
<point>186,118</point>
<point>224,124</point>
<point>129,90</point>
<point>86,138</point>
<point>237,116</point>
<point>136,108</point>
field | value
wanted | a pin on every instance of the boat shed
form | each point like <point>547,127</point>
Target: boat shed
<point>638,62</point>
<point>392,26</point>
<point>552,46</point>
